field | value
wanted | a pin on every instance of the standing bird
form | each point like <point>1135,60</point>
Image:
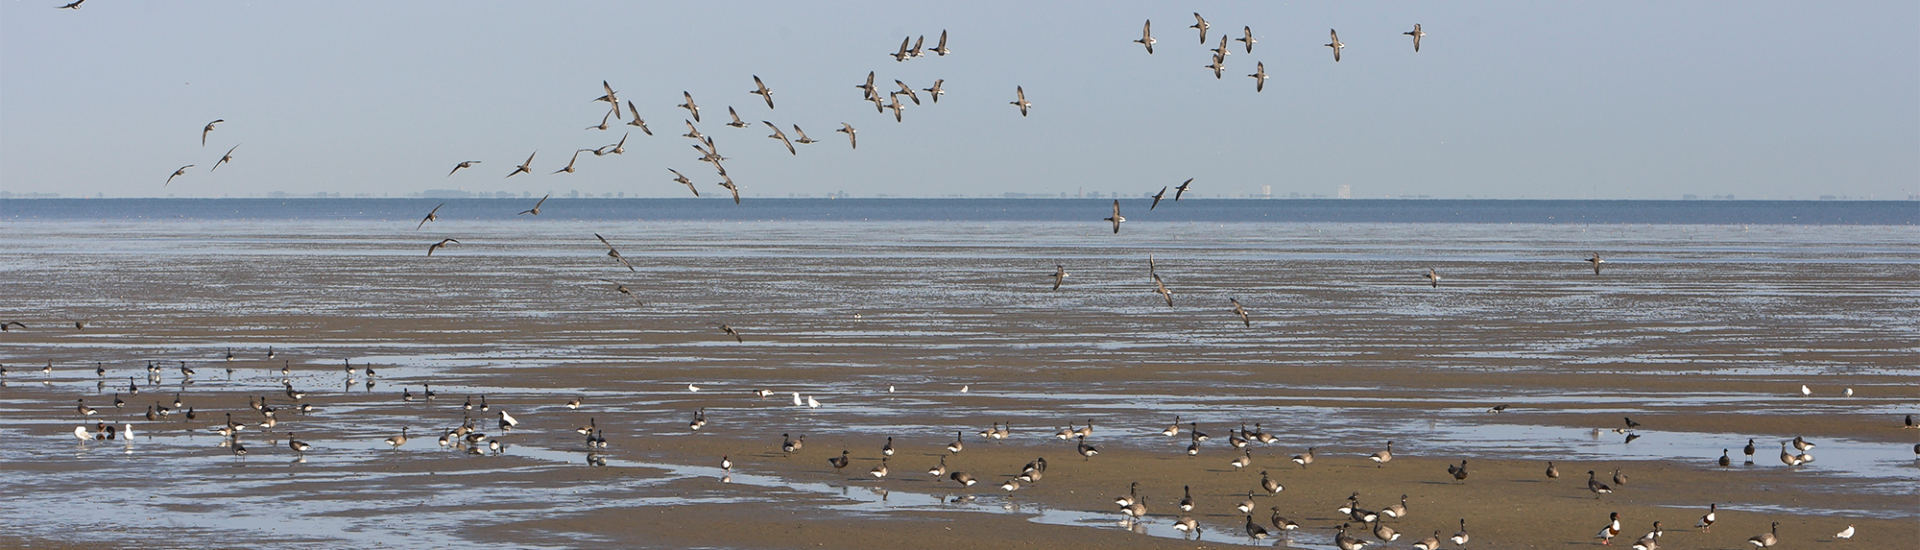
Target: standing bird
<point>298,446</point>
<point>398,440</point>
<point>223,159</point>
<point>1706,521</point>
<point>208,129</point>
<point>1335,44</point>
<point>176,173</point>
<point>1116,218</point>
<point>432,215</point>
<point>1845,534</point>
<point>1552,472</point>
<point>436,246</point>
<point>840,462</point>
<point>536,206</point>
<point>1146,37</point>
<point>1611,530</point>
<point>1201,23</point>
<point>879,472</point>
<point>1749,451</point>
<point>1259,76</point>
<point>1460,537</point>
<point>1459,473</point>
<point>1269,485</point>
<point>763,91</point>
<point>1255,530</point>
<point>1383,457</point>
<point>1304,459</point>
<point>1619,478</point>
<point>524,168</point>
<point>1769,538</point>
<point>1019,91</point>
<point>1725,460</point>
<point>1598,488</point>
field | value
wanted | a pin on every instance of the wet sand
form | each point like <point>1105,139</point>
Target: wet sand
<point>1700,336</point>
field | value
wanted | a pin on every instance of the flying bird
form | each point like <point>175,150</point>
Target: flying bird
<point>935,92</point>
<point>439,245</point>
<point>1117,218</point>
<point>692,132</point>
<point>763,91</point>
<point>432,215</point>
<point>614,253</point>
<point>1259,76</point>
<point>690,107</point>
<point>603,122</point>
<point>915,52</point>
<point>848,130</point>
<point>617,148</point>
<point>536,206</point>
<point>895,105</point>
<point>1156,198</point>
<point>610,98</point>
<point>636,119</point>
<point>176,173</point>
<point>1248,39</point>
<point>1242,312</point>
<point>1416,33</point>
<point>1335,44</point>
<point>1059,275</point>
<point>942,47</point>
<point>782,136</point>
<point>902,55</point>
<point>905,89</point>
<point>1219,64</point>
<point>737,123</point>
<point>867,89</point>
<point>1202,25</point>
<point>1022,102</point>
<point>727,182</point>
<point>731,332</point>
<point>463,164</point>
<point>569,168</point>
<point>74,6</point>
<point>1146,37</point>
<point>1596,261</point>
<point>209,128</point>
<point>621,288</point>
<point>1182,189</point>
<point>1162,289</point>
<point>682,178</point>
<point>525,167</point>
<point>223,159</point>
<point>1433,276</point>
<point>803,136</point>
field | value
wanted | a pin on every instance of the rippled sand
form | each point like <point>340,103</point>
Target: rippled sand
<point>1703,334</point>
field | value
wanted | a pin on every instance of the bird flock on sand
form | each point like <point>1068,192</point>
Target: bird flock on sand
<point>467,433</point>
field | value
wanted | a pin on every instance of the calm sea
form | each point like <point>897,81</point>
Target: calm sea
<point>1017,210</point>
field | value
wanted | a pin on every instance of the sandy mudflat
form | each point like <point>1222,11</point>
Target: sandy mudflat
<point>1701,337</point>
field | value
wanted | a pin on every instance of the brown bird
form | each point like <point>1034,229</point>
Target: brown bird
<point>176,173</point>
<point>463,164</point>
<point>208,129</point>
<point>1162,290</point>
<point>431,216</point>
<point>690,107</point>
<point>223,159</point>
<point>782,136</point>
<point>1022,101</point>
<point>1335,44</point>
<point>763,91</point>
<point>1596,261</point>
<point>736,334</point>
<point>727,182</point>
<point>636,119</point>
<point>1146,37</point>
<point>439,245</point>
<point>569,168</point>
<point>682,178</point>
<point>536,206</point>
<point>615,254</point>
<point>610,98</point>
<point>1201,23</point>
<point>74,6</point>
<point>525,167</point>
<point>1416,34</point>
<point>848,130</point>
<point>1242,312</point>
<point>622,288</point>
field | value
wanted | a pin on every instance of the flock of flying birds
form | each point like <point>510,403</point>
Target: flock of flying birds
<point>1132,505</point>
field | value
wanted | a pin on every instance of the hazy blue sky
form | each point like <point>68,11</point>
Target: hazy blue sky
<point>1505,100</point>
